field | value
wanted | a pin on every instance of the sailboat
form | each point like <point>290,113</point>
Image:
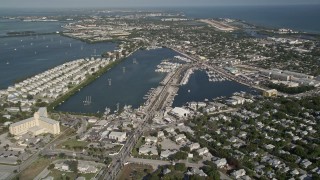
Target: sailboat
<point>87,101</point>
<point>117,110</point>
<point>107,111</point>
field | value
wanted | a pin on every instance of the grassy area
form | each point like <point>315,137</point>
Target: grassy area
<point>68,133</point>
<point>134,171</point>
<point>63,128</point>
<point>73,143</point>
<point>135,150</point>
<point>115,148</point>
<point>34,169</point>
<point>56,174</point>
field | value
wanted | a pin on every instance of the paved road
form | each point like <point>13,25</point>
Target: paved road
<point>156,163</point>
<point>34,157</point>
<point>155,104</point>
<point>224,111</point>
<point>6,171</point>
<point>43,174</point>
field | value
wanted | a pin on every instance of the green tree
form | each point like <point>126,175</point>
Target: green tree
<point>62,155</point>
<point>51,166</point>
<point>185,149</point>
<point>179,156</point>
<point>73,165</point>
<point>180,167</point>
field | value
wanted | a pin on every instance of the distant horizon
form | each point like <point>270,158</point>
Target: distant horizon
<point>169,7</point>
<point>148,3</point>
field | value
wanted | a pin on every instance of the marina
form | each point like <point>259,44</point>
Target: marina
<point>166,66</point>
<point>169,88</point>
<point>215,77</point>
<point>187,60</point>
<point>186,76</point>
<point>129,88</point>
<point>199,88</point>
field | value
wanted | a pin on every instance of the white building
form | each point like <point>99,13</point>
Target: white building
<point>166,153</point>
<point>179,112</point>
<point>38,124</point>
<point>180,137</point>
<point>202,151</point>
<point>239,173</point>
<point>86,168</point>
<point>119,136</point>
<point>220,162</point>
<point>160,134</point>
<point>147,149</point>
<point>151,139</point>
<point>194,146</point>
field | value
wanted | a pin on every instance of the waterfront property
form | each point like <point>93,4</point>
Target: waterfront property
<point>22,57</point>
<point>38,124</point>
<point>52,84</point>
<point>126,84</point>
<point>200,88</point>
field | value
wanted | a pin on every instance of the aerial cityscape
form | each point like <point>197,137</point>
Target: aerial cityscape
<point>139,89</point>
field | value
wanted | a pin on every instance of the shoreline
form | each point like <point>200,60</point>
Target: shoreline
<point>229,76</point>
<point>88,81</point>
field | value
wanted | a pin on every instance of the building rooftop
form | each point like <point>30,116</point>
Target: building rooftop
<point>22,122</point>
<point>48,120</point>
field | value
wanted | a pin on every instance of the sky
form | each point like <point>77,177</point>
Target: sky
<point>143,3</point>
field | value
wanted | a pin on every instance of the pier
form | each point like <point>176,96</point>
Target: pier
<point>156,103</point>
<point>217,70</point>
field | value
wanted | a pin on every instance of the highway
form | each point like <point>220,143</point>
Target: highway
<point>155,105</point>
<point>34,157</point>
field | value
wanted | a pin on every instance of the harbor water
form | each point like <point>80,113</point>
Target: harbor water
<point>199,88</point>
<point>130,81</point>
